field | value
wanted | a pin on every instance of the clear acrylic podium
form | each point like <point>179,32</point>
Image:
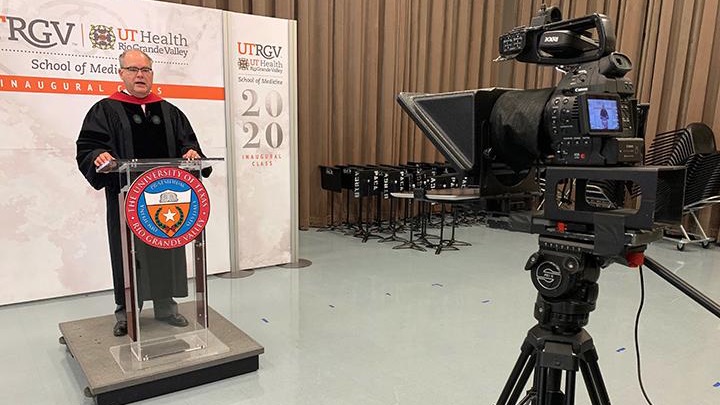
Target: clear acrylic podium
<point>161,282</point>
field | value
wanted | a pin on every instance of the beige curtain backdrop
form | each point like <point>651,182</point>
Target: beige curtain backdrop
<point>356,55</point>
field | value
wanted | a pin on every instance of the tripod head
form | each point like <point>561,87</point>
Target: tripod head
<point>565,271</point>
<point>567,288</point>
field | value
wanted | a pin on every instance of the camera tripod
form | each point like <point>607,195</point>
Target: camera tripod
<point>549,355</point>
<point>558,346</point>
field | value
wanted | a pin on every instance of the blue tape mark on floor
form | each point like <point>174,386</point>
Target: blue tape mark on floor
<point>437,285</point>
<point>620,350</point>
<point>717,384</point>
<point>485,301</point>
<point>331,306</point>
<point>265,320</point>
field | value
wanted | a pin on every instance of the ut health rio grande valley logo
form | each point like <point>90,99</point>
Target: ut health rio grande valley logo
<point>167,207</point>
<point>102,36</point>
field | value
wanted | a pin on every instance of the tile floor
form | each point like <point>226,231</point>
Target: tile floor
<point>368,325</point>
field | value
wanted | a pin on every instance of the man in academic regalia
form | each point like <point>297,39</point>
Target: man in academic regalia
<point>136,123</point>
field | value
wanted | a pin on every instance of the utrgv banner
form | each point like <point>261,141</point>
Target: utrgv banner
<point>56,60</point>
<point>72,47</point>
<point>258,50</point>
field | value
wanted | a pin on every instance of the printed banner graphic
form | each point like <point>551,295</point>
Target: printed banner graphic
<point>43,41</point>
<point>258,52</point>
<point>57,59</point>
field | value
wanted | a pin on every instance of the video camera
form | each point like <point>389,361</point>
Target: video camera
<point>584,134</point>
<point>589,118</point>
<point>585,131</point>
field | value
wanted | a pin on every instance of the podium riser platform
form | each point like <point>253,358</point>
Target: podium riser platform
<point>89,342</point>
<point>180,382</point>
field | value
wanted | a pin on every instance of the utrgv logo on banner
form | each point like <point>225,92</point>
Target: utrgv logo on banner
<point>38,32</point>
<point>45,34</point>
<point>167,207</point>
<point>259,58</point>
<point>266,51</point>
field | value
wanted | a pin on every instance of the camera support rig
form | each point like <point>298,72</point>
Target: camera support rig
<point>567,291</point>
<point>565,271</point>
<point>586,134</point>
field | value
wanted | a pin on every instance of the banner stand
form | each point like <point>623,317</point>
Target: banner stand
<point>299,264</point>
<point>237,274</point>
<point>295,262</point>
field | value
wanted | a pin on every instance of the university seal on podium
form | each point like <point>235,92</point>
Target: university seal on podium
<point>167,207</point>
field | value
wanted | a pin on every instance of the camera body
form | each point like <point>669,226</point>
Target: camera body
<point>591,116</point>
<point>580,140</point>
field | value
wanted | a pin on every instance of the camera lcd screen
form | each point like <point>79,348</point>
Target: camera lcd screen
<point>603,114</point>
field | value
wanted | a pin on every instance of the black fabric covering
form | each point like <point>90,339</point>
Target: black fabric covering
<point>516,135</point>
<point>126,132</point>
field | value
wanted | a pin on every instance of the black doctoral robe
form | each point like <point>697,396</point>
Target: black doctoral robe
<point>120,126</point>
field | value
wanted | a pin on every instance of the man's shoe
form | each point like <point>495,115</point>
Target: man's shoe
<point>120,328</point>
<point>175,320</point>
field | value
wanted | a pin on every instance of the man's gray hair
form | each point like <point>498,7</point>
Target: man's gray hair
<point>122,56</point>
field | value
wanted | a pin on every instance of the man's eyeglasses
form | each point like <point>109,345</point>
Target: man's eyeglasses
<point>134,70</point>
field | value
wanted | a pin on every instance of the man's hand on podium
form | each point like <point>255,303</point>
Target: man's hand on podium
<point>103,159</point>
<point>191,154</point>
<point>103,162</point>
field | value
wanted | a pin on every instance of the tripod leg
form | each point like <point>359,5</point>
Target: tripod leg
<point>541,386</point>
<point>548,387</point>
<point>522,381</point>
<point>519,375</point>
<point>527,399</point>
<point>569,387</point>
<point>594,382</point>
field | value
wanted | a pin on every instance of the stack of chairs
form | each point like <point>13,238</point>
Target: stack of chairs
<point>674,148</point>
<point>693,147</point>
